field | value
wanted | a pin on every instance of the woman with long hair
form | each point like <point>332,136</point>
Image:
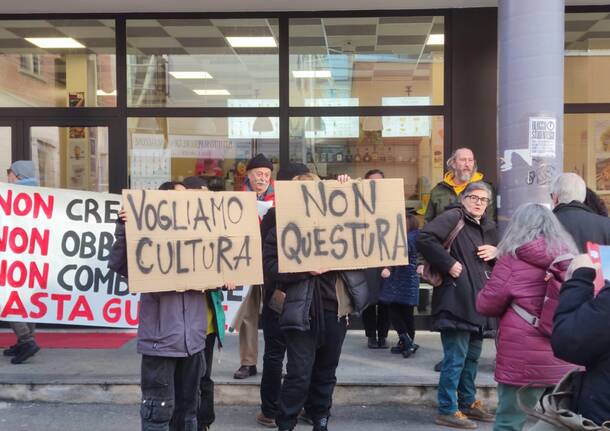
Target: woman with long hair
<point>533,241</point>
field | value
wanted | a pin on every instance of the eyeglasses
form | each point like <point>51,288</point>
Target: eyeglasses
<point>475,199</point>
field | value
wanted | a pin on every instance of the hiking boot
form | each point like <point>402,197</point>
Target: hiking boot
<point>25,352</point>
<point>304,417</point>
<point>244,372</point>
<point>265,421</point>
<point>456,420</point>
<point>381,343</point>
<point>11,351</point>
<point>372,343</point>
<point>320,424</point>
<point>477,412</point>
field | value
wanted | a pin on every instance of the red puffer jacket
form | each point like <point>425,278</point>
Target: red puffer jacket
<point>524,355</point>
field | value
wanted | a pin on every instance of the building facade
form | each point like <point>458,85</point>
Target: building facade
<point>106,101</point>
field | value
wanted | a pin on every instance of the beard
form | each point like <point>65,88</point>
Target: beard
<point>261,186</point>
<point>463,176</point>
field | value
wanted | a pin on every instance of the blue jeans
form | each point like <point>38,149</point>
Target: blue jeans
<point>456,387</point>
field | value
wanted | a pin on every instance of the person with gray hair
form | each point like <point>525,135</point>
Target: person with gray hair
<point>464,266</point>
<point>461,171</point>
<point>568,193</point>
<point>23,173</point>
<point>533,241</point>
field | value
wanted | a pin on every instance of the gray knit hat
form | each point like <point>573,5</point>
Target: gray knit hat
<point>24,169</point>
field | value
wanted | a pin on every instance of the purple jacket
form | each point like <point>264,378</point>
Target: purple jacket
<point>524,355</point>
<point>172,324</point>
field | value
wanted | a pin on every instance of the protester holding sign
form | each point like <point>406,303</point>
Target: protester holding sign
<point>258,179</point>
<point>171,339</point>
<point>275,345</point>
<point>22,172</point>
<point>314,321</point>
<point>216,331</point>
<point>465,268</point>
<point>533,244</point>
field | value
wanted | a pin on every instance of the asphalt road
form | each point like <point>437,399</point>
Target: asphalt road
<point>110,417</point>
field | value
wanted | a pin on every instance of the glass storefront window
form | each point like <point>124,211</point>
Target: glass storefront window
<point>368,61</point>
<point>402,147</point>
<point>202,62</point>
<point>5,148</point>
<point>587,150</point>
<point>587,58</point>
<point>57,63</point>
<point>216,149</point>
<point>71,157</point>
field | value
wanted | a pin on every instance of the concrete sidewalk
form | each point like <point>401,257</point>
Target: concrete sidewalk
<point>364,376</point>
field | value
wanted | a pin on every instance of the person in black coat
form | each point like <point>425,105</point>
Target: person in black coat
<point>581,335</point>
<point>313,322</point>
<point>376,317</point>
<point>275,345</point>
<point>568,193</point>
<point>465,269</point>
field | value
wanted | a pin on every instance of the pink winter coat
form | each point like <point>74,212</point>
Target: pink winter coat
<point>524,355</point>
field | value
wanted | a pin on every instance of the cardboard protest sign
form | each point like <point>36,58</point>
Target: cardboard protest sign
<point>54,248</point>
<point>328,225</point>
<point>191,239</point>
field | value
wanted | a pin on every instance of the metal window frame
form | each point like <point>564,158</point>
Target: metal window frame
<point>21,119</point>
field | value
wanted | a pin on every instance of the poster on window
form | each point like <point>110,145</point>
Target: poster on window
<point>602,174</point>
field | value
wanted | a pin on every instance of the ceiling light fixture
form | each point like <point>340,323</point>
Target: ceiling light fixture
<point>315,124</point>
<point>219,92</point>
<point>103,93</point>
<point>252,42</point>
<point>311,73</point>
<point>262,124</point>
<point>191,75</point>
<point>55,42</point>
<point>436,39</point>
<point>372,124</point>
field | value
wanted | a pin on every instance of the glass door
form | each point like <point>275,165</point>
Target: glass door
<point>71,155</point>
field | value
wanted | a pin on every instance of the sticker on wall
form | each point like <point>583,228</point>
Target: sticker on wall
<point>542,136</point>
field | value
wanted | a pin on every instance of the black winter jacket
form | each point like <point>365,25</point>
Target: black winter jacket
<point>581,335</point>
<point>583,224</point>
<point>117,260</point>
<point>302,288</point>
<point>453,303</point>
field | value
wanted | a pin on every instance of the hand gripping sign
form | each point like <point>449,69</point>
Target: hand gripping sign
<point>329,225</point>
<point>191,239</point>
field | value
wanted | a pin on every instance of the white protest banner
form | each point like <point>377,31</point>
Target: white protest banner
<point>328,225</point>
<point>191,240</point>
<point>54,248</point>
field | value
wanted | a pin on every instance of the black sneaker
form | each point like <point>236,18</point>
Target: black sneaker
<point>11,351</point>
<point>372,343</point>
<point>320,424</point>
<point>25,352</point>
<point>438,367</point>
